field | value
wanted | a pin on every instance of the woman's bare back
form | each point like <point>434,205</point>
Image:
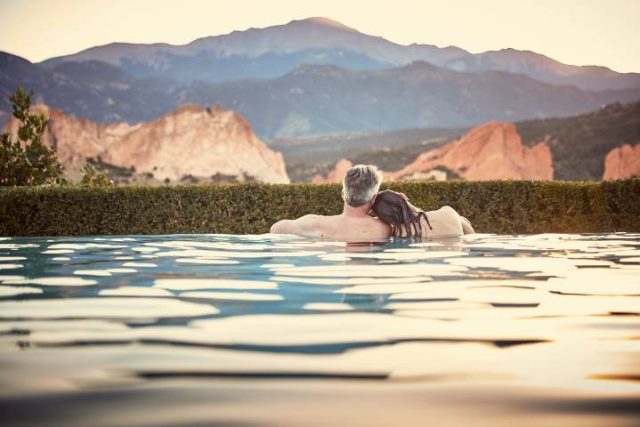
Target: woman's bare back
<point>445,222</point>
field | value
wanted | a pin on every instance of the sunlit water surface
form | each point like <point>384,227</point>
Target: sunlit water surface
<point>277,330</point>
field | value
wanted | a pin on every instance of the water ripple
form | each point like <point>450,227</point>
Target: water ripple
<point>524,314</point>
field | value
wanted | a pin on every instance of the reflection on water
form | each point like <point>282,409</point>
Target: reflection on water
<point>277,330</point>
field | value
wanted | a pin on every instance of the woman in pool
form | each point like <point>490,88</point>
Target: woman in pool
<point>406,220</point>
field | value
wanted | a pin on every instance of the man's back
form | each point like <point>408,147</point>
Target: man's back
<point>337,227</point>
<point>357,229</point>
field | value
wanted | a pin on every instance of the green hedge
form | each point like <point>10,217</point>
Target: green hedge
<point>492,207</point>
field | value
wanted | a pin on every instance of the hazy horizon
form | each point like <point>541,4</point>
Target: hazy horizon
<point>568,28</point>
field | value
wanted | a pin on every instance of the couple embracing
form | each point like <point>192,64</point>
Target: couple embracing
<point>369,215</point>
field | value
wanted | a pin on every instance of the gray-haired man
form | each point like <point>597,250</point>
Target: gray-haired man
<point>359,189</point>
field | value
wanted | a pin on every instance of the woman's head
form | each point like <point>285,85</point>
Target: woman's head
<point>394,209</point>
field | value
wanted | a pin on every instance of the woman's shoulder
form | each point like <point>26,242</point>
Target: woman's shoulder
<point>446,208</point>
<point>425,224</point>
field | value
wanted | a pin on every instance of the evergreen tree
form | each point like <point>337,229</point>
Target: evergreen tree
<point>26,160</point>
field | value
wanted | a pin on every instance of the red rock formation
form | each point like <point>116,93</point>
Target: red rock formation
<point>75,140</point>
<point>336,174</point>
<point>490,151</point>
<point>200,142</point>
<point>188,141</point>
<point>622,162</point>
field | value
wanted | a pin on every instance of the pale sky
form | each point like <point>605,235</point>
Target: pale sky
<point>579,32</point>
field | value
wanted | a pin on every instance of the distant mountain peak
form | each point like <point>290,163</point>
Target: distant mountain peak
<point>321,20</point>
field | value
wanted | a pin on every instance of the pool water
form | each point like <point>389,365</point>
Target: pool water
<point>279,330</point>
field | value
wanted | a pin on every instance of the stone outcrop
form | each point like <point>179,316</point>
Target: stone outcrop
<point>622,162</point>
<point>334,175</point>
<point>75,140</point>
<point>490,151</point>
<point>199,142</point>
<point>189,141</point>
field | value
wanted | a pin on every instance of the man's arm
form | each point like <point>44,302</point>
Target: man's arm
<point>307,225</point>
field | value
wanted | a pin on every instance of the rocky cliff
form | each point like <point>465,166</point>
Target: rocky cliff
<point>490,151</point>
<point>200,142</point>
<point>189,141</point>
<point>622,162</point>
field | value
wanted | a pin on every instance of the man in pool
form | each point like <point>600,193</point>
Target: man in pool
<point>359,189</point>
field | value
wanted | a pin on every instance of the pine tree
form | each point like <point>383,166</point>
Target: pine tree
<point>26,160</point>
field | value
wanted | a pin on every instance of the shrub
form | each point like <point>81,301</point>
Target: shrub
<point>493,207</point>
<point>91,178</point>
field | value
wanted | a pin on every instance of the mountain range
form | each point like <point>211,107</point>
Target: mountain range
<point>274,51</point>
<point>313,77</point>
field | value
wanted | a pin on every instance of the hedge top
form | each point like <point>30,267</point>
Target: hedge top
<point>513,207</point>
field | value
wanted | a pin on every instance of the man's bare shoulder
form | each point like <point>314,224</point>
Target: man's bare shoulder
<point>312,216</point>
<point>320,223</point>
<point>306,225</point>
<point>313,219</point>
<point>381,227</point>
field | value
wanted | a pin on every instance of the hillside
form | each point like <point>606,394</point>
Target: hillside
<point>543,68</point>
<point>92,90</point>
<point>316,99</point>
<point>580,144</point>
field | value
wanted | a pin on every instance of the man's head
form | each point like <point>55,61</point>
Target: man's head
<point>361,184</point>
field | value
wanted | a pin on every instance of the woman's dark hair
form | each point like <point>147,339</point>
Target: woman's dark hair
<point>394,209</point>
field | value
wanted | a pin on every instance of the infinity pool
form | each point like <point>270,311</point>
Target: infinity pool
<point>277,330</point>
